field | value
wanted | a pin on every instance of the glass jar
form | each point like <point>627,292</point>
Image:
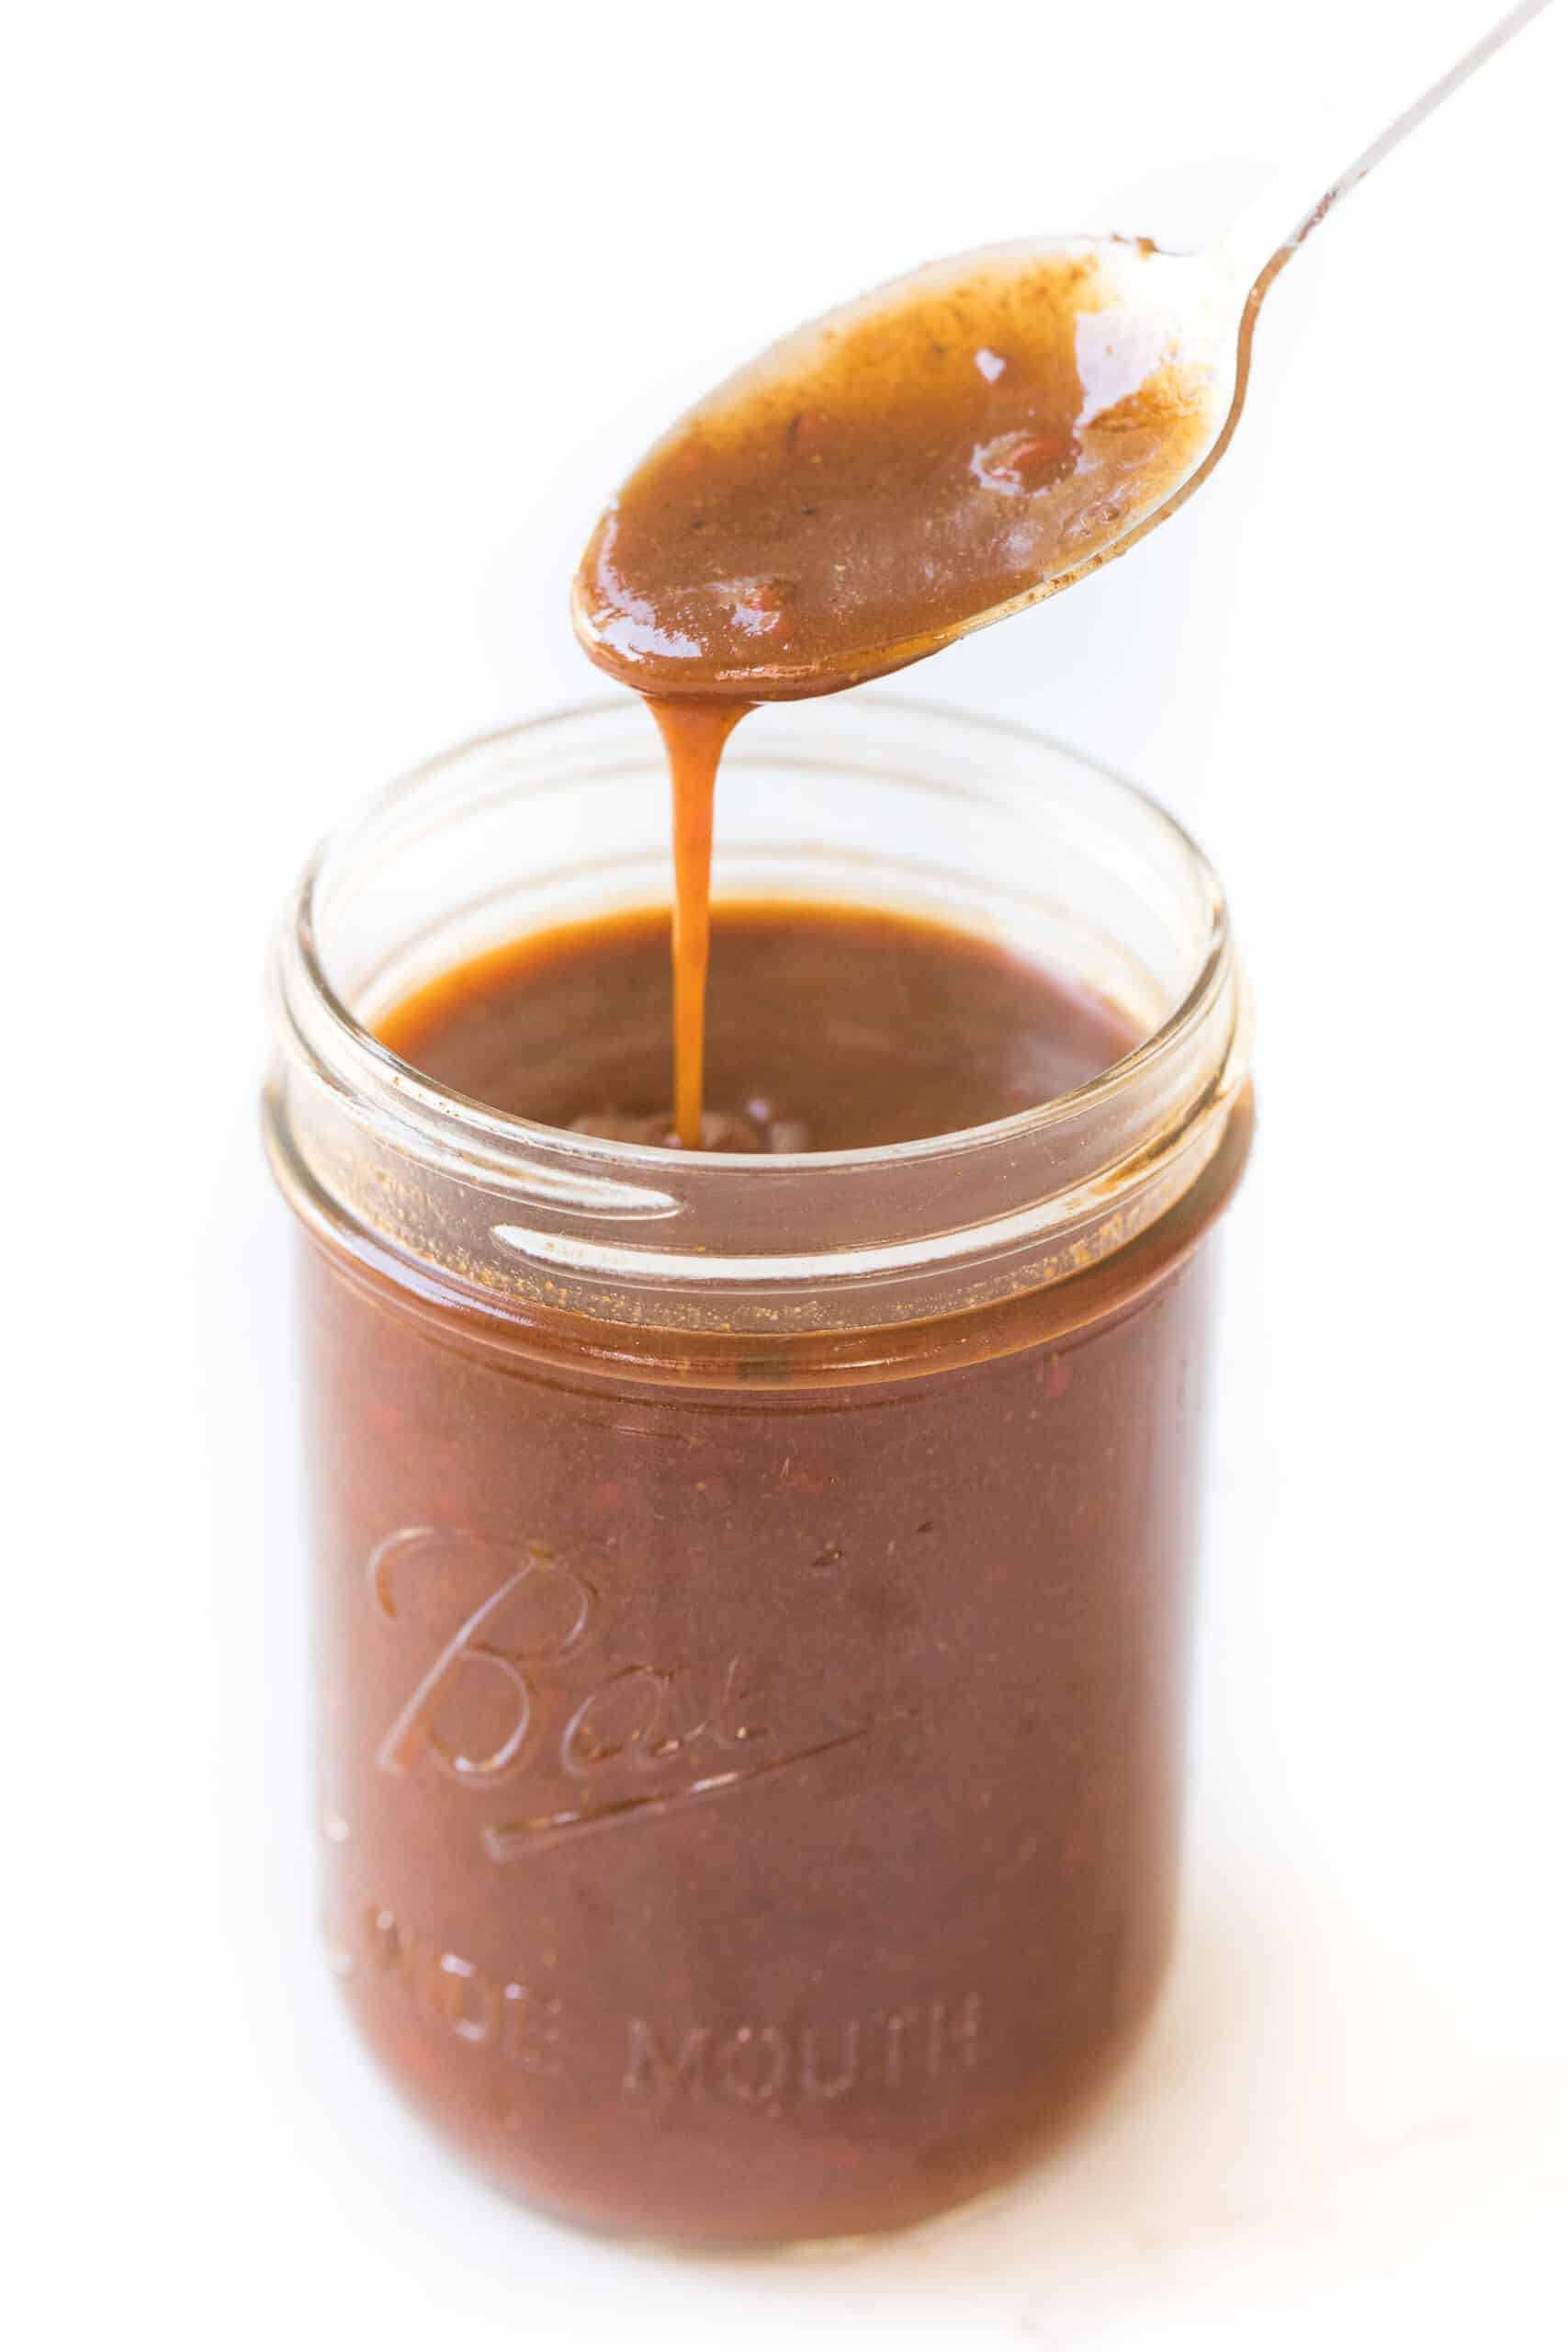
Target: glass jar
<point>753,1592</point>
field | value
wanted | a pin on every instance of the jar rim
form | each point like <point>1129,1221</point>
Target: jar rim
<point>645,1233</point>
<point>414,1086</point>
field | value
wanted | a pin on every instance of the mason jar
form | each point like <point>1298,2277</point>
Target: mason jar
<point>753,1592</point>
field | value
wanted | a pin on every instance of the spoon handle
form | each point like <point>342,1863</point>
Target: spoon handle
<point>1383,111</point>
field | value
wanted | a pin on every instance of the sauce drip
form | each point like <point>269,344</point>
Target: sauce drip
<point>953,447</point>
<point>694,737</point>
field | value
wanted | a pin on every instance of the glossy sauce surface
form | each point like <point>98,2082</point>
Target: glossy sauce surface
<point>857,496</point>
<point>832,1029</point>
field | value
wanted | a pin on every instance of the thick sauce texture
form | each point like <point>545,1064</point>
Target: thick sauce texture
<point>952,446</point>
<point>832,1029</point>
<point>958,442</point>
<point>750,1795</point>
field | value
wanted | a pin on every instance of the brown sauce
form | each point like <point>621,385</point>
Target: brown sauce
<point>752,1766</point>
<point>832,1029</point>
<point>694,737</point>
<point>858,496</point>
<point>750,1791</point>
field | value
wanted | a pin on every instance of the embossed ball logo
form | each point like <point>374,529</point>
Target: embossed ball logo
<point>523,1692</point>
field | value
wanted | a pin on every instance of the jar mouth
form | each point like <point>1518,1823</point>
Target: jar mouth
<point>415,1088</point>
<point>1084,1170</point>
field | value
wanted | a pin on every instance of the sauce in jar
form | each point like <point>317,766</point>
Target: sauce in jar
<point>833,1029</point>
<point>755,1505</point>
<point>751,1767</point>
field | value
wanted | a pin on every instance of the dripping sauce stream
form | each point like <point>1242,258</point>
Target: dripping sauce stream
<point>695,735</point>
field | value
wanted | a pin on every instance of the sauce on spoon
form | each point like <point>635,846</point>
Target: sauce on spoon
<point>892,474</point>
<point>950,447</point>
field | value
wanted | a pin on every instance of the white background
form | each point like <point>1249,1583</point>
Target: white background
<point>330,324</point>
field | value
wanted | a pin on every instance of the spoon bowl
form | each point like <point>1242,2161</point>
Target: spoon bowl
<point>960,443</point>
<point>925,459</point>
